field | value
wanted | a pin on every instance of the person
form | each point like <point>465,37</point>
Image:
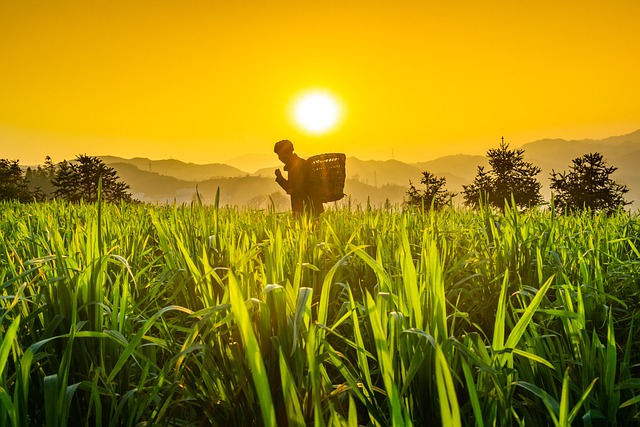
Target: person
<point>297,183</point>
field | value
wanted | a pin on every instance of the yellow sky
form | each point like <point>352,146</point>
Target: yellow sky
<point>207,80</point>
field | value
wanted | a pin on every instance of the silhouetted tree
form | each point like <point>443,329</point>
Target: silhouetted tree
<point>13,185</point>
<point>434,196</point>
<point>509,176</point>
<point>588,185</point>
<point>78,181</point>
<point>40,179</point>
<point>478,192</point>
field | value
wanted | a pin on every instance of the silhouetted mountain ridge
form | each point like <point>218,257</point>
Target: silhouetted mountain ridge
<point>376,180</point>
<point>245,191</point>
<point>557,154</point>
<point>178,168</point>
<point>622,152</point>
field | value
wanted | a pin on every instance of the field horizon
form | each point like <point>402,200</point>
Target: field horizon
<point>378,181</point>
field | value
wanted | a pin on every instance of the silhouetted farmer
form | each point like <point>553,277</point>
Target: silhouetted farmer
<point>297,184</point>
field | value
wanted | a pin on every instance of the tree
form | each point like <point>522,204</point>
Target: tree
<point>13,185</point>
<point>588,185</point>
<point>434,196</point>
<point>78,181</point>
<point>39,179</point>
<point>509,176</point>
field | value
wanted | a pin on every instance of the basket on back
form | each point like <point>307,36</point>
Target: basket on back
<point>326,177</point>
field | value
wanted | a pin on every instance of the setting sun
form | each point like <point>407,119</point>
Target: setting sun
<point>316,112</point>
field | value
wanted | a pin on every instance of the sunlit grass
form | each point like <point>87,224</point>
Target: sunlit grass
<point>171,315</point>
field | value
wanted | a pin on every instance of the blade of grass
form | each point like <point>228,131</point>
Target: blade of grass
<point>303,308</point>
<point>520,327</point>
<point>385,365</point>
<point>5,344</point>
<point>449,407</point>
<point>252,352</point>
<point>291,399</point>
<point>501,313</point>
<point>576,408</point>
<point>473,394</point>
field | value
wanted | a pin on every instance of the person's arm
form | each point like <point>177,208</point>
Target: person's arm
<point>282,181</point>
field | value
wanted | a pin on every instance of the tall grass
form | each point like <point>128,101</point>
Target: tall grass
<point>180,315</point>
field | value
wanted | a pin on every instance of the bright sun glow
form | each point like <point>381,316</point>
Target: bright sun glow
<point>316,112</point>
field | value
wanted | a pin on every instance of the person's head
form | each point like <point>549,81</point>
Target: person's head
<point>284,150</point>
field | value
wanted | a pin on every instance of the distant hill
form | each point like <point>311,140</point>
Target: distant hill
<point>373,180</point>
<point>252,162</point>
<point>460,167</point>
<point>151,186</point>
<point>178,169</point>
<point>372,172</point>
<point>557,155</point>
<point>245,191</point>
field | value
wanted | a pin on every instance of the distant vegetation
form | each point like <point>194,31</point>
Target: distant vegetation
<point>433,196</point>
<point>13,186</point>
<point>79,180</point>
<point>512,180</point>
<point>373,183</point>
<point>82,179</point>
<point>510,177</point>
<point>588,184</point>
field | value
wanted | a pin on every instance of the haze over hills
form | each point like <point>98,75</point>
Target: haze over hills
<point>621,151</point>
<point>179,169</point>
<point>371,172</point>
<point>557,153</point>
<point>378,182</point>
<point>245,191</point>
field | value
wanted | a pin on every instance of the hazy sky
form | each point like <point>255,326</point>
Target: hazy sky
<point>209,80</point>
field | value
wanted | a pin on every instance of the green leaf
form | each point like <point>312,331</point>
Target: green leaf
<point>449,407</point>
<point>500,321</point>
<point>303,308</point>
<point>523,323</point>
<point>7,340</point>
<point>384,361</point>
<point>291,398</point>
<point>252,352</point>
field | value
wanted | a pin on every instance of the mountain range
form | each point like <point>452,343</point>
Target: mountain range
<point>373,181</point>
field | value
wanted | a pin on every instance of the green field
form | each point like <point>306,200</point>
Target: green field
<point>197,315</point>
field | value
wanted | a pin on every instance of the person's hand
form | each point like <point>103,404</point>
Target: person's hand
<point>278,173</point>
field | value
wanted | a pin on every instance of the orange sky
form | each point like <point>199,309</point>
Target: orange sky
<point>206,81</point>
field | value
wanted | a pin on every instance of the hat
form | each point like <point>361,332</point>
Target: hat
<point>284,145</point>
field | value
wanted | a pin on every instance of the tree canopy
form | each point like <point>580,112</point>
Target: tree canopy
<point>13,185</point>
<point>509,176</point>
<point>78,181</point>
<point>39,179</point>
<point>434,196</point>
<point>588,185</point>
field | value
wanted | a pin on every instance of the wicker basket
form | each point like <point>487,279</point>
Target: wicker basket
<point>327,174</point>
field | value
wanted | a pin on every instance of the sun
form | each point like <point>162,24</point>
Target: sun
<point>316,111</point>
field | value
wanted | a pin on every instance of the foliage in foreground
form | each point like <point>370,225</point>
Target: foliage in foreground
<point>182,315</point>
